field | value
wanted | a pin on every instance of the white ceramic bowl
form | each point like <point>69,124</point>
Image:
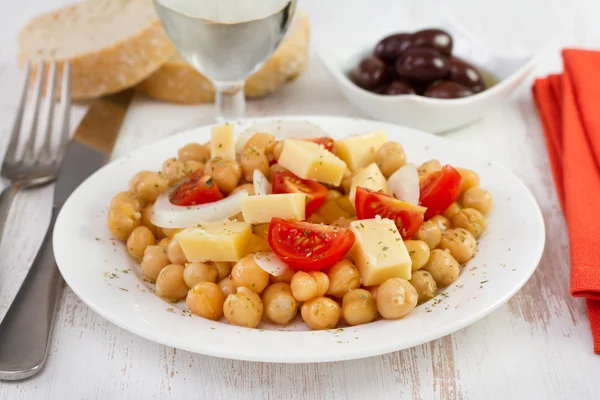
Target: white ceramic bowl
<point>342,53</point>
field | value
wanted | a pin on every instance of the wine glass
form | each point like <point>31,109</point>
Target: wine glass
<point>226,41</point>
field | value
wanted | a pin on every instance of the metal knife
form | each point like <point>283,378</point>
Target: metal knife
<point>26,329</point>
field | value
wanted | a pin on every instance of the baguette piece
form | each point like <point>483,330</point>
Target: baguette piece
<point>111,44</point>
<point>178,82</point>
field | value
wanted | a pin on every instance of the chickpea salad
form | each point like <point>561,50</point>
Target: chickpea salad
<point>263,227</point>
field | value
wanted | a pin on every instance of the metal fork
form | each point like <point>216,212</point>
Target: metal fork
<point>33,168</point>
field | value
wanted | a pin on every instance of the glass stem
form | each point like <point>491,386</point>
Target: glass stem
<point>230,101</point>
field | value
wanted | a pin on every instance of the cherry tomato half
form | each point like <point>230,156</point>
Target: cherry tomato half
<point>407,217</point>
<point>327,142</point>
<point>439,190</point>
<point>309,247</point>
<point>286,182</point>
<point>197,189</point>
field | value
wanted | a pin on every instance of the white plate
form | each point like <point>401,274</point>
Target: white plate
<point>87,256</point>
<point>342,49</point>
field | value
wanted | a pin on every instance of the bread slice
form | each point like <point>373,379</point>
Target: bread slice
<point>178,82</point>
<point>111,44</point>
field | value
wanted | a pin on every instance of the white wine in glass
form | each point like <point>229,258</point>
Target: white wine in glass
<point>226,41</point>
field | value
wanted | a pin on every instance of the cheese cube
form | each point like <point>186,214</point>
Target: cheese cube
<point>369,178</point>
<point>359,151</point>
<point>223,142</point>
<point>379,252</point>
<point>222,241</point>
<point>309,160</point>
<point>259,209</point>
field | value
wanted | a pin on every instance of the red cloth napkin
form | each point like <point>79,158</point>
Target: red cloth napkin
<point>569,107</point>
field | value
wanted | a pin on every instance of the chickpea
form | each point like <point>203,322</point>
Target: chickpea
<point>251,159</point>
<point>346,205</point>
<point>206,300</point>
<point>226,285</point>
<point>372,290</point>
<point>123,220</point>
<point>418,251</point>
<point>389,158</point>
<point>321,313</point>
<point>396,298</point>
<point>175,253</point>
<point>148,185</point>
<point>359,307</point>
<point>471,220</point>
<point>207,146</point>
<point>460,243</point>
<point>308,285</point>
<point>155,259</point>
<point>443,267</point>
<point>429,167</point>
<point>173,170</point>
<point>126,198</point>
<point>343,276</point>
<point>223,269</point>
<point>170,232</point>
<point>333,195</point>
<point>452,210</point>
<point>280,307</point>
<point>441,221</point>
<point>277,149</point>
<point>469,179</point>
<point>347,180</point>
<point>194,152</point>
<point>247,273</point>
<point>261,230</point>
<point>316,219</point>
<point>430,233</point>
<point>193,166</point>
<point>342,222</point>
<point>164,243</point>
<point>197,272</point>
<point>286,277</point>
<point>262,141</point>
<point>146,220</point>
<point>479,199</point>
<point>138,240</point>
<point>170,283</point>
<point>248,187</point>
<point>424,284</point>
<point>243,308</point>
<point>225,172</point>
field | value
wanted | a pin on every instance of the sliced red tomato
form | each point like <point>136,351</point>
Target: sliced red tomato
<point>286,182</point>
<point>439,190</point>
<point>407,217</point>
<point>327,142</point>
<point>309,247</point>
<point>197,189</point>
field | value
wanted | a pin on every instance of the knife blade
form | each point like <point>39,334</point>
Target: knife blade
<point>27,326</point>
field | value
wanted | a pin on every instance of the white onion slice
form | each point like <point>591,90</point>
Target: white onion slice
<point>262,186</point>
<point>404,184</point>
<point>167,215</point>
<point>270,263</point>
<point>281,130</point>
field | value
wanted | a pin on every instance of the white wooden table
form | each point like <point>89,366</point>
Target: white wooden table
<point>538,346</point>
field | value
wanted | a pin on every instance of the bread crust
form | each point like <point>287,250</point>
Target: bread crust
<point>177,81</point>
<point>114,68</point>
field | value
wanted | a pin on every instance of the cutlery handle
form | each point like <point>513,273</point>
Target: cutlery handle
<point>6,198</point>
<point>25,330</point>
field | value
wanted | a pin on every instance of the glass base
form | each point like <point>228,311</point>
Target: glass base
<point>230,102</point>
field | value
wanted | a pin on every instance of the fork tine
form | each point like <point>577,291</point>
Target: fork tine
<point>45,151</point>
<point>16,131</point>
<point>65,96</point>
<point>30,143</point>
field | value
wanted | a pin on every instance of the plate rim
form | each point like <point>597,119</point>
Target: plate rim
<point>382,348</point>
